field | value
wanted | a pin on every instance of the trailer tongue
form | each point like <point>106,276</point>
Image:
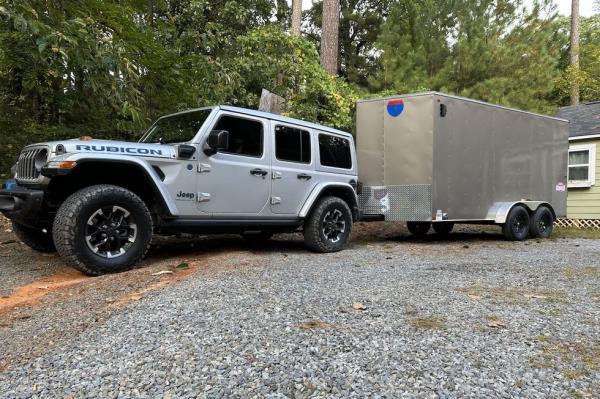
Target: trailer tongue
<point>431,158</point>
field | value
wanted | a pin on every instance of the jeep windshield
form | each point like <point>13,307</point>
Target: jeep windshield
<point>179,128</point>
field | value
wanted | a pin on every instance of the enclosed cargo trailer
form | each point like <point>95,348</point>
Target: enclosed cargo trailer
<point>432,157</point>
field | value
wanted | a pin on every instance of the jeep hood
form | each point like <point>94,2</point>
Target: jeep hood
<point>116,148</point>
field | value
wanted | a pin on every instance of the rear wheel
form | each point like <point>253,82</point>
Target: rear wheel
<point>516,227</point>
<point>443,228</point>
<point>36,239</point>
<point>541,223</point>
<point>103,229</point>
<point>328,226</point>
<point>418,228</point>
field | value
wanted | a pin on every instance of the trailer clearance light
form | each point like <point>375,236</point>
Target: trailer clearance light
<point>61,164</point>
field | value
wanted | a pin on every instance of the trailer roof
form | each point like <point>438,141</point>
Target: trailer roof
<point>429,93</point>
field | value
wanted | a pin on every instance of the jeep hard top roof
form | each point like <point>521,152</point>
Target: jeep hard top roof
<point>268,115</point>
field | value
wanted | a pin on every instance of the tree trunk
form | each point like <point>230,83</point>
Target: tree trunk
<point>330,36</point>
<point>296,17</point>
<point>574,51</point>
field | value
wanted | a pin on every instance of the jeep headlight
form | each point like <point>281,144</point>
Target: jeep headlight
<point>40,159</point>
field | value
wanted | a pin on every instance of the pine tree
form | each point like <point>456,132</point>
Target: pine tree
<point>330,36</point>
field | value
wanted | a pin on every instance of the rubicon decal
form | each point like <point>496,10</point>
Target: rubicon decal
<point>125,150</point>
<point>395,107</point>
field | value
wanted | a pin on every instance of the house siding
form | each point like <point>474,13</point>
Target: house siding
<point>584,203</point>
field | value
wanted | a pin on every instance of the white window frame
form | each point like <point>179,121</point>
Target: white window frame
<point>591,180</point>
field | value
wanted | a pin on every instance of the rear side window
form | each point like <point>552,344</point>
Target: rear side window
<point>292,144</point>
<point>335,151</point>
<point>245,135</point>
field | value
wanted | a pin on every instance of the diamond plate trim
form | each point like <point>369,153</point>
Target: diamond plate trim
<point>410,202</point>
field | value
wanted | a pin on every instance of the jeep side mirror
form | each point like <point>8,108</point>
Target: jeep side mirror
<point>218,140</point>
<point>186,151</point>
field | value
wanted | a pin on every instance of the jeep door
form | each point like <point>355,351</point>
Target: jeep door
<point>236,180</point>
<point>293,165</point>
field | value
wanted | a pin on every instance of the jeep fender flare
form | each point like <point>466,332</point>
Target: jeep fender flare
<point>335,189</point>
<point>143,166</point>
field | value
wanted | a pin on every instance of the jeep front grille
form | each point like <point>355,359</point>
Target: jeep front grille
<point>30,164</point>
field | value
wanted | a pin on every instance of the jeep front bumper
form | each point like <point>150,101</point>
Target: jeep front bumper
<point>23,205</point>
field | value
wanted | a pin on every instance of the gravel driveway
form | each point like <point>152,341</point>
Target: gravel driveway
<point>468,316</point>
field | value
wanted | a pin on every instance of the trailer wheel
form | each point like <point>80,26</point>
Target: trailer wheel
<point>443,228</point>
<point>35,239</point>
<point>541,223</point>
<point>328,226</point>
<point>103,229</point>
<point>418,228</point>
<point>516,227</point>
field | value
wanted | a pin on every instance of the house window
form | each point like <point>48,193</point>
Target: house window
<point>582,165</point>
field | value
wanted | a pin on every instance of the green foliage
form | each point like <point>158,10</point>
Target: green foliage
<point>490,50</point>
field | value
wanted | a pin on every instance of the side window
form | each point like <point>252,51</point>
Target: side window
<point>245,135</point>
<point>335,151</point>
<point>292,144</point>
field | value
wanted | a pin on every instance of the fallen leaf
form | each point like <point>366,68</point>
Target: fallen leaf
<point>475,298</point>
<point>534,296</point>
<point>160,273</point>
<point>182,266</point>
<point>135,297</point>
<point>307,325</point>
<point>359,306</point>
<point>43,287</point>
<point>496,323</point>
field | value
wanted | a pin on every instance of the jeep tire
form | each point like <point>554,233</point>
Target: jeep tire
<point>328,226</point>
<point>103,229</point>
<point>36,239</point>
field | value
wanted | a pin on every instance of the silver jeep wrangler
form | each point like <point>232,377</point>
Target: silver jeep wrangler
<point>211,170</point>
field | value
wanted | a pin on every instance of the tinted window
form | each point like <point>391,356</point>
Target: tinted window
<point>335,151</point>
<point>245,135</point>
<point>292,144</point>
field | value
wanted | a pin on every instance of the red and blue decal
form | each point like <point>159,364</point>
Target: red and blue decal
<point>395,107</point>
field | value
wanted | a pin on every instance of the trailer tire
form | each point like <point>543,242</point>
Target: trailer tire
<point>328,226</point>
<point>516,227</point>
<point>542,221</point>
<point>103,229</point>
<point>35,239</point>
<point>418,229</point>
<point>443,228</point>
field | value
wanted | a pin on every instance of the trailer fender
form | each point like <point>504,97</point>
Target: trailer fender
<point>343,190</point>
<point>499,211</point>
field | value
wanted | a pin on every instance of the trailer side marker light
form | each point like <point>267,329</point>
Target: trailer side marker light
<point>395,107</point>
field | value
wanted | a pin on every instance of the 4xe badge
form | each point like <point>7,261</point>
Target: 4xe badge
<point>395,107</point>
<point>181,196</point>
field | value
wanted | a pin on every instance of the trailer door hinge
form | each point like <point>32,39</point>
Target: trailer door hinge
<point>203,197</point>
<point>275,200</point>
<point>203,167</point>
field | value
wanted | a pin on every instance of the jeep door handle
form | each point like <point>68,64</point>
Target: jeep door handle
<point>304,176</point>
<point>258,172</point>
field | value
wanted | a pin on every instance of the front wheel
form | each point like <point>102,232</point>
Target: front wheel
<point>328,226</point>
<point>516,227</point>
<point>36,239</point>
<point>103,229</point>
